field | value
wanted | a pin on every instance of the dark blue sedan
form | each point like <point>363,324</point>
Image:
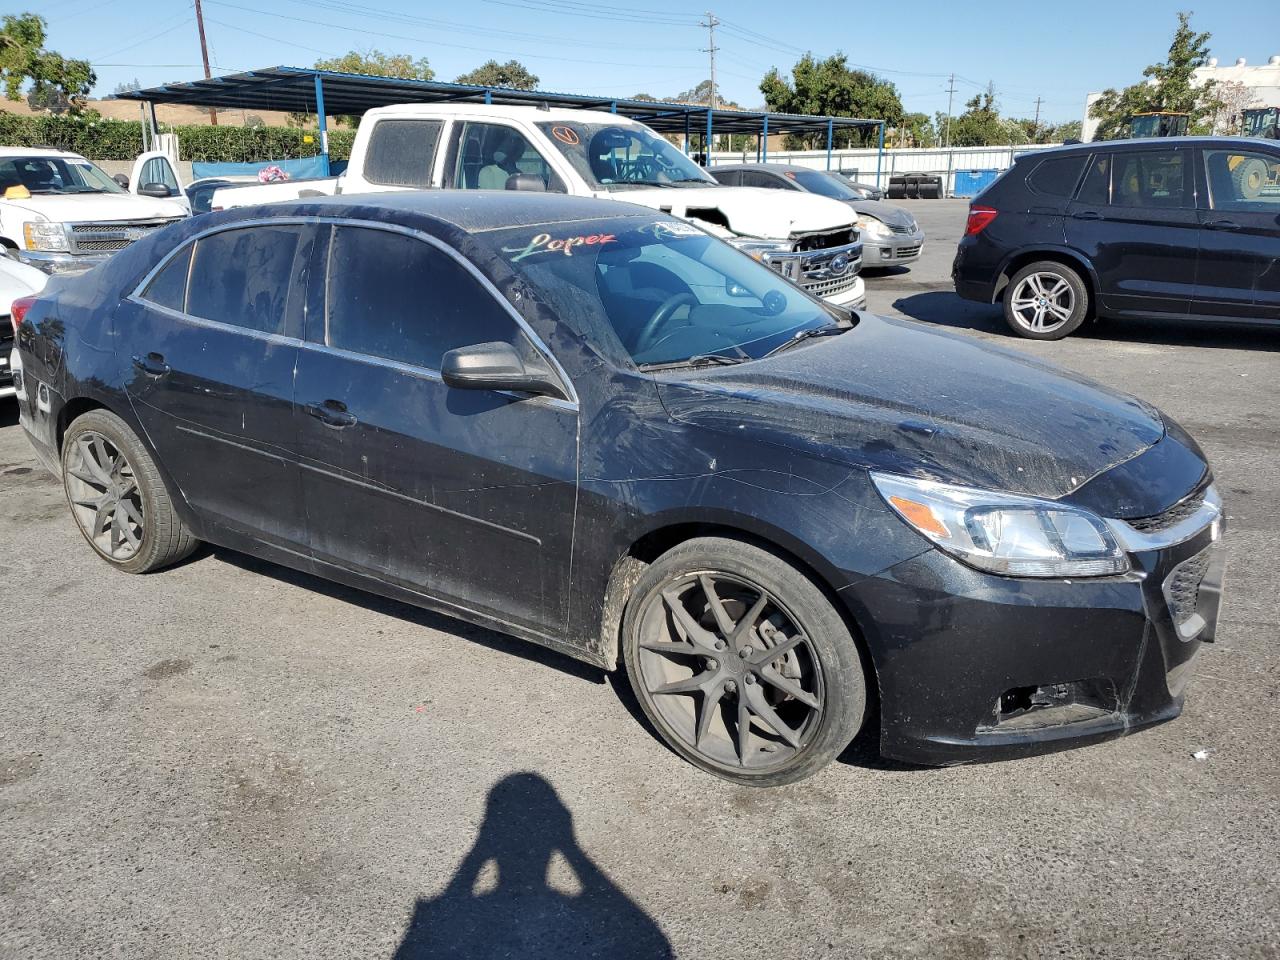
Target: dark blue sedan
<point>602,430</point>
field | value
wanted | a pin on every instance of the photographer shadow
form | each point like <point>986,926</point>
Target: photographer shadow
<point>501,901</point>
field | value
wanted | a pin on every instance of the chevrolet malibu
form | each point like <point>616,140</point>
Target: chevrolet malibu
<point>595,427</point>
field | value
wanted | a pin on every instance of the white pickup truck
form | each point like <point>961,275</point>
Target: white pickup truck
<point>811,239</point>
<point>59,212</point>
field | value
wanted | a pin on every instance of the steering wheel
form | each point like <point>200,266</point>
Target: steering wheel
<point>660,316</point>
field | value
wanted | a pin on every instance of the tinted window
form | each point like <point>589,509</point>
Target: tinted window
<point>394,296</point>
<point>401,152</point>
<point>1150,179</point>
<point>1057,177</point>
<point>755,178</point>
<point>729,178</point>
<point>158,171</point>
<point>168,288</point>
<point>244,277</point>
<point>824,184</point>
<point>1097,182</point>
<point>491,154</point>
<point>1240,180</point>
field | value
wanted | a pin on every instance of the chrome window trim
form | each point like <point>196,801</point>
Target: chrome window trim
<point>1208,516</point>
<point>539,345</point>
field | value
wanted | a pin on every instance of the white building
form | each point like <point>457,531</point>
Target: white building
<point>1263,80</point>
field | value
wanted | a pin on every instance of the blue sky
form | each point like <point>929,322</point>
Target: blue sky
<point>1055,51</point>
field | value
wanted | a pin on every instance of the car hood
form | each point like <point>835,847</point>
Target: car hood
<point>884,212</point>
<point>890,395</point>
<point>98,207</point>
<point>751,211</point>
<point>18,280</point>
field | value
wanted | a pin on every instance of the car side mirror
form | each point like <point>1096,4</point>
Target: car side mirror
<point>526,181</point>
<point>497,366</point>
<point>121,179</point>
<point>157,190</point>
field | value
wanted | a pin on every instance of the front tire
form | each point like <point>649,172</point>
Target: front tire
<point>742,663</point>
<point>117,497</point>
<point>1045,300</point>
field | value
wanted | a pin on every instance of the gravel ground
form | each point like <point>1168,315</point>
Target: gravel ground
<point>233,760</point>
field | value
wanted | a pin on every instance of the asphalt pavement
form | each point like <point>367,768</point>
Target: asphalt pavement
<point>229,759</point>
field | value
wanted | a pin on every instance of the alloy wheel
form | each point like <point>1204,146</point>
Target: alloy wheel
<point>104,496</point>
<point>1043,302</point>
<point>729,671</point>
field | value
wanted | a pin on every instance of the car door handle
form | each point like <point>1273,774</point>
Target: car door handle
<point>332,413</point>
<point>152,365</point>
<point>1222,225</point>
<point>1086,215</point>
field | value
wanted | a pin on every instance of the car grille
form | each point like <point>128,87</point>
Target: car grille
<point>113,235</point>
<point>1171,517</point>
<point>832,285</point>
<point>823,240</point>
<point>897,228</point>
<point>1182,589</point>
<point>6,344</point>
<point>901,253</point>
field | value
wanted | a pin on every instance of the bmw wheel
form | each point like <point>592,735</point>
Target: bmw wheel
<point>1045,301</point>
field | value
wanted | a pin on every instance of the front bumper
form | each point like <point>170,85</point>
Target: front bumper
<point>973,666</point>
<point>52,263</point>
<point>854,298</point>
<point>892,250</point>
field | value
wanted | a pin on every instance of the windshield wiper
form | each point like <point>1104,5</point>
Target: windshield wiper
<point>697,360</point>
<point>804,335</point>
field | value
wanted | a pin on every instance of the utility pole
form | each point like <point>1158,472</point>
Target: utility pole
<point>1035,132</point>
<point>711,25</point>
<point>951,92</point>
<point>204,55</point>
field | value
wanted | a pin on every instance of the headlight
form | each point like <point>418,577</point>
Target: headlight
<point>759,249</point>
<point>48,237</point>
<point>872,226</point>
<point>1005,533</point>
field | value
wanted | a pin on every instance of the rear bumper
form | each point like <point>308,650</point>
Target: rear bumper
<point>974,667</point>
<point>975,271</point>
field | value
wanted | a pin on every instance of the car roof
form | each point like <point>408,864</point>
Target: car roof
<point>771,167</point>
<point>473,211</point>
<point>38,152</point>
<point>497,111</point>
<point>1147,143</point>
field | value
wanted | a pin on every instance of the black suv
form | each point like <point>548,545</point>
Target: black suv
<point>1183,227</point>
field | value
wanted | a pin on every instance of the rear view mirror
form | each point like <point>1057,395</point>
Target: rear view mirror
<point>121,179</point>
<point>497,366</point>
<point>157,190</point>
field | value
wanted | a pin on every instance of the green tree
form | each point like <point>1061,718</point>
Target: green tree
<point>55,83</point>
<point>1168,86</point>
<point>511,74</point>
<point>373,63</point>
<point>831,88</point>
<point>981,124</point>
<point>915,130</point>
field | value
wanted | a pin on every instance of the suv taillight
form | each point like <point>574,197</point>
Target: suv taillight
<point>979,217</point>
<point>18,312</point>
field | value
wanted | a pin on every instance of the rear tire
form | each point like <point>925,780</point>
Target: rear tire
<point>117,497</point>
<point>1045,300</point>
<point>742,663</point>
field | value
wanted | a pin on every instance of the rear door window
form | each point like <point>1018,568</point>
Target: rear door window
<point>1057,176</point>
<point>1151,178</point>
<point>394,296</point>
<point>168,288</point>
<point>1096,189</point>
<point>401,153</point>
<point>245,277</point>
<point>1243,180</point>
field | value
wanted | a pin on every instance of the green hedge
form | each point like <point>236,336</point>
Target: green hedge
<point>100,139</point>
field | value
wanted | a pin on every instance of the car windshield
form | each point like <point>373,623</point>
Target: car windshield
<point>825,184</point>
<point>615,156</point>
<point>54,175</point>
<point>665,290</point>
